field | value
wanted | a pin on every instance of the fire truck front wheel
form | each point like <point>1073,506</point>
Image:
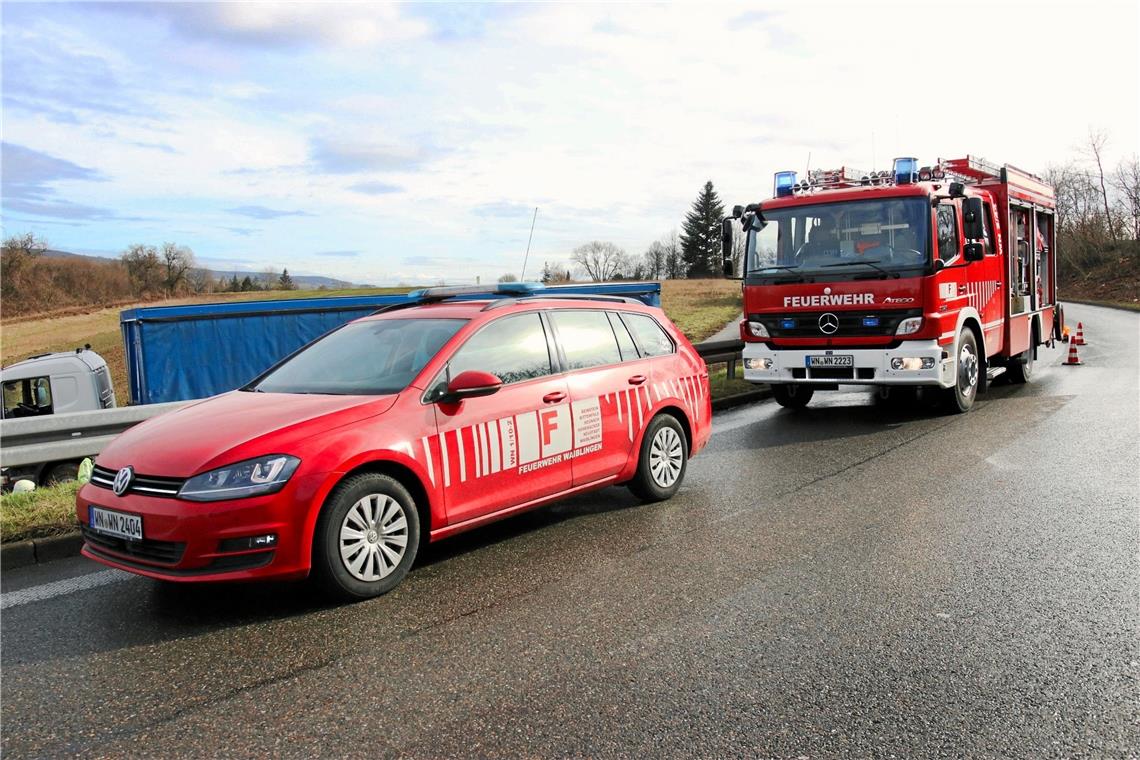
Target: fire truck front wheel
<point>960,398</point>
<point>792,396</point>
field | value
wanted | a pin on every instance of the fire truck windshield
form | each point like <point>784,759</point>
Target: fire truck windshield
<point>823,239</point>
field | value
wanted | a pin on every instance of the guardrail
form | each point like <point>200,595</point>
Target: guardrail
<point>67,437</point>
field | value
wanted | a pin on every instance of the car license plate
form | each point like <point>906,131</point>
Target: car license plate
<point>113,523</point>
<point>845,360</point>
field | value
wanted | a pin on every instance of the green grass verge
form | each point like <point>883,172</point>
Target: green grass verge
<point>38,513</point>
<point>721,385</point>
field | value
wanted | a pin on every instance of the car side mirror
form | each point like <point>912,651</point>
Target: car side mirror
<point>973,252</point>
<point>972,211</point>
<point>470,384</point>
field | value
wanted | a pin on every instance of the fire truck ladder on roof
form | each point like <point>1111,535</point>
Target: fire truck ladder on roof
<point>970,169</point>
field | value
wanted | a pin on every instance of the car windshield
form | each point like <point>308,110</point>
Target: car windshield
<point>362,358</point>
<point>886,235</point>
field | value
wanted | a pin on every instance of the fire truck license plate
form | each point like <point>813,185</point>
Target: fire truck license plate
<point>846,360</point>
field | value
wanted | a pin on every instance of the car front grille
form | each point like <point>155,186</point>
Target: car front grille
<point>148,550</point>
<point>144,485</point>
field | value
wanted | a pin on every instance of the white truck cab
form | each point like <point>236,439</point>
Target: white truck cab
<point>59,383</point>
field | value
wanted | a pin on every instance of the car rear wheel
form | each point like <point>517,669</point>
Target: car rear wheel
<point>662,461</point>
<point>61,473</point>
<point>792,396</point>
<point>366,537</point>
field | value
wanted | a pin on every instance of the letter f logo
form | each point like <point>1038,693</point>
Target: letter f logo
<point>549,420</point>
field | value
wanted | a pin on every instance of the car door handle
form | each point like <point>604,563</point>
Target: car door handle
<point>554,398</point>
<point>637,380</point>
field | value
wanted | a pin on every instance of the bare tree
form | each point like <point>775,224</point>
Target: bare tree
<point>17,259</point>
<point>600,261</point>
<point>200,281</point>
<point>177,260</point>
<point>267,280</point>
<point>144,267</point>
<point>653,261</point>
<point>674,261</point>
<point>508,277</point>
<point>1098,139</point>
<point>1126,181</point>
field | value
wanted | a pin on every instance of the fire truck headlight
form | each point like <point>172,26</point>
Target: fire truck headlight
<point>763,363</point>
<point>909,326</point>
<point>757,330</point>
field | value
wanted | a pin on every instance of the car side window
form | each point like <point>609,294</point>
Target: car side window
<point>512,348</point>
<point>652,338</point>
<point>947,232</point>
<point>586,338</point>
<point>625,342</point>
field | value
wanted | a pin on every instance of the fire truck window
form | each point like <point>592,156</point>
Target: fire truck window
<point>586,337</point>
<point>1043,248</point>
<point>1020,226</point>
<point>947,232</point>
<point>988,236</point>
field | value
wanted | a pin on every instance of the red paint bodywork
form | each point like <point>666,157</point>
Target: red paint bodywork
<point>421,443</point>
<point>983,286</point>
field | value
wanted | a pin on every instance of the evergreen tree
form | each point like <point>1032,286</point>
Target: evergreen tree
<point>235,284</point>
<point>285,282</point>
<point>700,236</point>
<point>247,284</point>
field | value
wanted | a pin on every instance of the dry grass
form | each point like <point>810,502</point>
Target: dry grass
<point>700,307</point>
<point>39,513</point>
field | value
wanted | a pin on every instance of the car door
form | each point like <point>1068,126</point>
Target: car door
<point>608,391</point>
<point>508,448</point>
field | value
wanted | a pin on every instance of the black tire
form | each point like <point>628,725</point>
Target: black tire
<point>662,461</point>
<point>61,473</point>
<point>792,396</point>
<point>348,575</point>
<point>960,398</point>
<point>1020,367</point>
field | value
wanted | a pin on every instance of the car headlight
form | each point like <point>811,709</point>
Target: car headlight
<point>253,477</point>
<point>909,325</point>
<point>756,329</point>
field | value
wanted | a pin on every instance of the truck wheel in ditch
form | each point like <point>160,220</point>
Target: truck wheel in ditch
<point>662,461</point>
<point>960,398</point>
<point>1020,367</point>
<point>61,473</point>
<point>792,396</point>
<point>366,537</point>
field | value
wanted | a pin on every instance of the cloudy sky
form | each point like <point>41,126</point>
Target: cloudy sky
<point>412,142</point>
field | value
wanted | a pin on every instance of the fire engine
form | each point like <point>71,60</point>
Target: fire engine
<point>942,276</point>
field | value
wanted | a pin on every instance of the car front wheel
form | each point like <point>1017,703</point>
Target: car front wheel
<point>662,461</point>
<point>366,537</point>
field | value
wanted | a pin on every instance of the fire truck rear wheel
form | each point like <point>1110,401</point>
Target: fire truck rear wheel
<point>792,396</point>
<point>1020,368</point>
<point>960,398</point>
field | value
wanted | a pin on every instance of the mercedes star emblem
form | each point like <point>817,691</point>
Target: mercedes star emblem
<point>123,480</point>
<point>828,323</point>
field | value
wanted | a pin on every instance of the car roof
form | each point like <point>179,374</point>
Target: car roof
<point>472,309</point>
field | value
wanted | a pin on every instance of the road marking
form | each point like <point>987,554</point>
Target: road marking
<point>59,588</point>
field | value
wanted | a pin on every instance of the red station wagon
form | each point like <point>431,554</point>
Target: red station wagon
<point>406,426</point>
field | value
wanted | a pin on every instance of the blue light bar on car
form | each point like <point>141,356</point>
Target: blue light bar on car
<point>785,183</point>
<point>905,170</point>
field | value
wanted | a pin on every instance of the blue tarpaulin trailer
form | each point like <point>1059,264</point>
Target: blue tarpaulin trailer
<point>176,353</point>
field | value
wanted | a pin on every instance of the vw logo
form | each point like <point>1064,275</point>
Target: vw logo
<point>828,323</point>
<point>123,480</point>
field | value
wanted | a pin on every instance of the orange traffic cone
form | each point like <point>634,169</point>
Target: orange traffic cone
<point>1080,339</point>
<point>1073,359</point>
<point>1065,333</point>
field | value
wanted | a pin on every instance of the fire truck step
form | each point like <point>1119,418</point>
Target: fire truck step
<point>993,372</point>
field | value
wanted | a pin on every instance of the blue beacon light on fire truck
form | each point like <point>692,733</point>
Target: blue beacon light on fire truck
<point>785,183</point>
<point>905,170</point>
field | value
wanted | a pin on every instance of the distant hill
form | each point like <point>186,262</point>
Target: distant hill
<point>305,281</point>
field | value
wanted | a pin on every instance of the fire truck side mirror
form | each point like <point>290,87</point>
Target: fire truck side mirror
<point>973,252</point>
<point>972,213</point>
<point>727,237</point>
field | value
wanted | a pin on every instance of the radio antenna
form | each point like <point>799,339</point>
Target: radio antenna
<point>522,275</point>
<point>807,169</point>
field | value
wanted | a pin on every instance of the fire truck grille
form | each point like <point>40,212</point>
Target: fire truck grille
<point>851,324</point>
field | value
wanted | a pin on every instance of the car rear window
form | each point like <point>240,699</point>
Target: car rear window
<point>586,338</point>
<point>652,338</point>
<point>366,358</point>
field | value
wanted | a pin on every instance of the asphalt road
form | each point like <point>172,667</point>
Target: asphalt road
<point>853,580</point>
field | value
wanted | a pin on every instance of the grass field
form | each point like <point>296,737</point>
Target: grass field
<point>698,307</point>
<point>39,513</point>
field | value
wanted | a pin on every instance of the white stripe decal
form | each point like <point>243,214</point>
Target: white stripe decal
<point>462,455</point>
<point>648,399</point>
<point>637,405</point>
<point>629,415</point>
<point>495,443</point>
<point>617,400</point>
<point>427,455</point>
<point>477,440</point>
<point>444,462</point>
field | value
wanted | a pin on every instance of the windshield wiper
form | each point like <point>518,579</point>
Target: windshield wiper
<point>795,278</point>
<point>871,264</point>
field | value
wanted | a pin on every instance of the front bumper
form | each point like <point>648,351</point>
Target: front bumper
<point>871,366</point>
<point>186,541</point>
